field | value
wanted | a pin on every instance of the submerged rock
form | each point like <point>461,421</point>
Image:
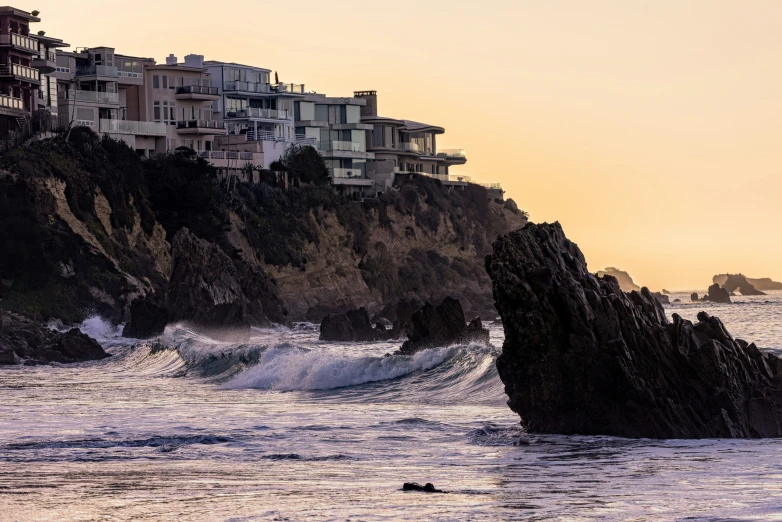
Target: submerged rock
<point>23,340</point>
<point>415,486</point>
<point>582,357</point>
<point>441,325</point>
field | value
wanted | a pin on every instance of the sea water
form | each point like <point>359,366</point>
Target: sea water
<point>290,428</point>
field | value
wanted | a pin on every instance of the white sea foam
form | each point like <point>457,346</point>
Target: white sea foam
<point>287,368</point>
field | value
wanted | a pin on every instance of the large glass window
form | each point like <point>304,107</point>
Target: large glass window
<point>321,112</point>
<point>156,81</point>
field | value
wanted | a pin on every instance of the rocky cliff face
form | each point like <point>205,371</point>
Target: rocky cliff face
<point>582,357</point>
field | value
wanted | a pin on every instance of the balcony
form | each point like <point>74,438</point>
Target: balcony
<point>130,74</point>
<point>24,43</point>
<point>46,63</point>
<point>298,139</point>
<point>262,114</point>
<point>20,72</point>
<point>138,128</point>
<point>453,156</point>
<point>409,147</point>
<point>11,103</point>
<point>347,173</point>
<point>288,88</point>
<point>93,96</point>
<point>210,127</point>
<point>197,92</point>
<point>341,146</point>
<point>98,70</point>
<point>237,86</point>
<point>492,186</point>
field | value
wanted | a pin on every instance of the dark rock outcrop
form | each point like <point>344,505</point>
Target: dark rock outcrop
<point>626,282</point>
<point>662,298</point>
<point>582,357</point>
<point>352,326</point>
<point>736,282</point>
<point>694,297</point>
<point>441,325</point>
<point>148,318</point>
<point>765,284</point>
<point>399,314</point>
<point>415,486</point>
<point>28,342</point>
<point>717,294</point>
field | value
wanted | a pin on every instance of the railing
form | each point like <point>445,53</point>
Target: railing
<point>144,128</point>
<point>298,139</point>
<point>10,102</point>
<point>347,173</point>
<point>223,155</point>
<point>254,112</point>
<point>451,153</point>
<point>17,40</point>
<point>85,123</point>
<point>262,88</point>
<point>97,70</point>
<point>93,96</point>
<point>198,89</point>
<point>341,146</point>
<point>405,145</point>
<point>291,88</point>
<point>200,124</point>
<point>21,71</point>
<point>48,56</point>
<point>494,186</point>
<point>127,74</point>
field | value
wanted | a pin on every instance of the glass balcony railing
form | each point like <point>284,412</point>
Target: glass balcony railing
<point>451,153</point>
<point>200,124</point>
<point>141,128</point>
<point>93,96</point>
<point>341,146</point>
<point>289,88</point>
<point>10,102</point>
<point>261,88</point>
<point>409,146</point>
<point>20,71</point>
<point>198,89</point>
<point>254,112</point>
<point>97,70</point>
<point>19,41</point>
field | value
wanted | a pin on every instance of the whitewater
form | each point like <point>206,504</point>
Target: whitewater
<point>286,427</point>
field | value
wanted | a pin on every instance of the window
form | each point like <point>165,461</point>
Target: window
<point>156,111</point>
<point>173,114</point>
<point>156,82</point>
<point>165,82</point>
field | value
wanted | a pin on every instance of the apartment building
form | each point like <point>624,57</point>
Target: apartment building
<point>178,97</point>
<point>257,112</point>
<point>26,61</point>
<point>341,138</point>
<point>98,88</point>
<point>405,146</point>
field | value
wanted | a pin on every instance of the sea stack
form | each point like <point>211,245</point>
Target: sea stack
<point>582,357</point>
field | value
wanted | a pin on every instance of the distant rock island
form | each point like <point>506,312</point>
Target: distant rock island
<point>733,282</point>
<point>626,282</point>
<point>765,284</point>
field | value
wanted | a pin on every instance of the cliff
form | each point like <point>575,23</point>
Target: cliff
<point>583,357</point>
<point>87,227</point>
<point>626,282</point>
<point>765,284</point>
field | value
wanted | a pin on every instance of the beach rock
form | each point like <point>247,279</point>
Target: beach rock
<point>148,318</point>
<point>352,326</point>
<point>217,295</point>
<point>25,341</point>
<point>582,357</point>
<point>441,325</point>
<point>717,294</point>
<point>415,486</point>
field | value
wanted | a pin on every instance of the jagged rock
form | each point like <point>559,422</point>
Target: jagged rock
<point>218,295</point>
<point>717,294</point>
<point>24,340</point>
<point>148,318</point>
<point>399,313</point>
<point>352,326</point>
<point>582,357</point>
<point>733,282</point>
<point>441,325</point>
<point>694,297</point>
<point>662,298</point>
<point>666,292</point>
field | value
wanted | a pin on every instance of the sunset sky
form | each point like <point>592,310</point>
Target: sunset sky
<point>652,130</point>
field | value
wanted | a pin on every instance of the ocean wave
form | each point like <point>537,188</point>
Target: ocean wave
<point>291,368</point>
<point>152,442</point>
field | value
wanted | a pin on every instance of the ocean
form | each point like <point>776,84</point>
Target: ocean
<point>290,428</point>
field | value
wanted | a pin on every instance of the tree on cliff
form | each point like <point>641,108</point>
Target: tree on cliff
<point>306,165</point>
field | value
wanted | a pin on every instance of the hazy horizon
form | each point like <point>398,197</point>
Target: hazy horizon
<point>650,130</point>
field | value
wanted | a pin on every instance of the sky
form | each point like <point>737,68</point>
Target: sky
<point>651,130</point>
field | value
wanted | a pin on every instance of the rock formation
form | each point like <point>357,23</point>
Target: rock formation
<point>399,313</point>
<point>736,282</point>
<point>626,282</point>
<point>694,297</point>
<point>441,325</point>
<point>717,294</point>
<point>662,298</point>
<point>148,318</point>
<point>582,357</point>
<point>25,341</point>
<point>765,284</point>
<point>352,326</point>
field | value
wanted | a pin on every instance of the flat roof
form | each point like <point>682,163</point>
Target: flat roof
<point>415,126</point>
<point>217,62</point>
<point>13,11</point>
<point>52,42</point>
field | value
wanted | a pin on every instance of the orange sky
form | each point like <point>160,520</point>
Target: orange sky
<point>650,129</point>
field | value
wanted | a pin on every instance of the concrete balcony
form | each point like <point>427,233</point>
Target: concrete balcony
<point>45,63</point>
<point>20,72</point>
<point>11,106</point>
<point>197,92</point>
<point>253,113</point>
<point>137,128</point>
<point>298,139</point>
<point>102,71</point>
<point>201,127</point>
<point>453,156</point>
<point>19,42</point>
